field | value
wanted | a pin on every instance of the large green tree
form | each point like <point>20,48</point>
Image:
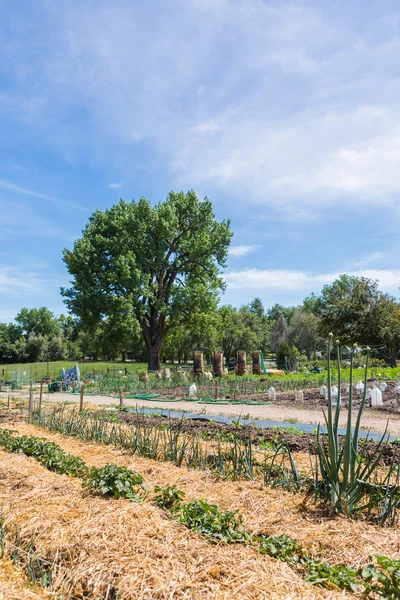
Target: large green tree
<point>161,264</point>
<point>38,321</point>
<point>357,311</point>
<point>304,332</point>
<point>245,328</point>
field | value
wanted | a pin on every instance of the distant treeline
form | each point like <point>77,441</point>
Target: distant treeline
<point>353,308</point>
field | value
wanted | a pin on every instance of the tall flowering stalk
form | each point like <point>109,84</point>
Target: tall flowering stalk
<point>343,476</point>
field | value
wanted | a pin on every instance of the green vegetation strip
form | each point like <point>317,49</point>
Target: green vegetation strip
<point>110,480</point>
<point>379,578</point>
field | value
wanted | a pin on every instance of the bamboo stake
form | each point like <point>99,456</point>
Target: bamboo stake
<point>30,406</point>
<point>121,399</point>
<point>81,397</point>
<point>40,397</point>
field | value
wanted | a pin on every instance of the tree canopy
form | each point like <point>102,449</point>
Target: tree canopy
<point>161,264</point>
<point>357,311</point>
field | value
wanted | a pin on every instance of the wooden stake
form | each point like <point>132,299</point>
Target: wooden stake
<point>9,401</point>
<point>81,397</point>
<point>40,396</point>
<point>30,405</point>
<point>121,399</point>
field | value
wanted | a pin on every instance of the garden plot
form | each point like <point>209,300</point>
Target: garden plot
<point>103,548</point>
<point>108,544</point>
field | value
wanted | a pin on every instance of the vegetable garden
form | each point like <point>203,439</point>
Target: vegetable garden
<point>95,505</point>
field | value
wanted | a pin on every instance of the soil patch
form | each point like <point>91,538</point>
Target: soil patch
<point>296,442</point>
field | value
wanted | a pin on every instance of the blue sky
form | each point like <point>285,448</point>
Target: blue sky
<point>285,114</point>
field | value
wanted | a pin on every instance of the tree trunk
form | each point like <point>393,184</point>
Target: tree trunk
<point>154,355</point>
<point>392,355</point>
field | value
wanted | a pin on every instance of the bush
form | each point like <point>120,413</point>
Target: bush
<point>286,352</point>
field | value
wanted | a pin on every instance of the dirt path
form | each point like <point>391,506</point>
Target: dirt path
<point>372,419</point>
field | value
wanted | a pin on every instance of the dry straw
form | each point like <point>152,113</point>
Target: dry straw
<point>14,586</point>
<point>108,544</point>
<point>117,546</point>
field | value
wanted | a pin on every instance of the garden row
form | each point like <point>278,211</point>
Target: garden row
<point>347,478</point>
<point>381,577</point>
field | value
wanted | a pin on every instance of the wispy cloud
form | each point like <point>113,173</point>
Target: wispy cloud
<point>20,284</point>
<point>22,218</point>
<point>6,232</point>
<point>9,186</point>
<point>17,282</point>
<point>206,127</point>
<point>286,280</point>
<point>367,261</point>
<point>115,186</point>
<point>26,286</point>
<point>243,250</point>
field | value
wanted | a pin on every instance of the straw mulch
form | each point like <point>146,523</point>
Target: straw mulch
<point>14,586</point>
<point>107,547</point>
<point>265,510</point>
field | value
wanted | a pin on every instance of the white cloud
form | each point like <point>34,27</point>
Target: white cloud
<point>25,219</point>
<point>242,250</point>
<point>286,280</point>
<point>115,186</point>
<point>21,284</point>
<point>209,126</point>
<point>29,286</point>
<point>285,104</point>
<point>314,160</point>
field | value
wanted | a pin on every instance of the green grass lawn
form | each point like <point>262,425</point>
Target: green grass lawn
<point>37,371</point>
<point>53,369</point>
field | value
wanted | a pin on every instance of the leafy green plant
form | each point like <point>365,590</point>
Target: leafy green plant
<point>282,547</point>
<point>314,570</point>
<point>55,459</point>
<point>216,526</point>
<point>115,481</point>
<point>382,577</point>
<point>169,497</point>
<point>47,453</point>
<point>322,573</point>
